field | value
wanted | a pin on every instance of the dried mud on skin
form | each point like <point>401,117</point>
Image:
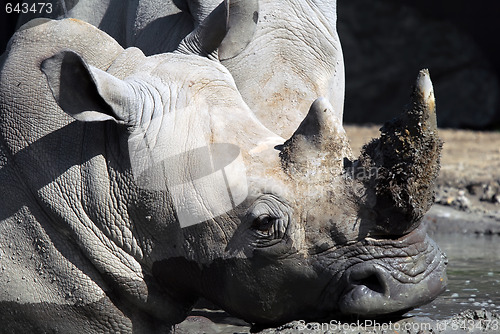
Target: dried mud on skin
<point>468,156</point>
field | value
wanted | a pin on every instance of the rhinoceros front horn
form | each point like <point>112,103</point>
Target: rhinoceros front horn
<point>319,145</point>
<point>406,163</point>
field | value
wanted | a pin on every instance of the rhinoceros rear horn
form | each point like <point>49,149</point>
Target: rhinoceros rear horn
<point>207,37</point>
<point>318,146</point>
<point>406,158</point>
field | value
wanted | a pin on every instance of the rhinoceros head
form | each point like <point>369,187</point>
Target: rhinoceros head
<point>327,234</point>
<point>309,231</point>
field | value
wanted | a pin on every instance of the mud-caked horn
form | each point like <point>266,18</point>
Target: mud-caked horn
<point>404,163</point>
<point>318,146</point>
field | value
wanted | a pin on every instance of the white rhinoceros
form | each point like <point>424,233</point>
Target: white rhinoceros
<point>91,239</point>
<point>282,54</point>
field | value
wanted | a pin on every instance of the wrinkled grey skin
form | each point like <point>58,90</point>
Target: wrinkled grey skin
<point>83,247</point>
<point>155,26</point>
<point>282,54</point>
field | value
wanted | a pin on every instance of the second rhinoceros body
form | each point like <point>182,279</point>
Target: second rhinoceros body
<point>282,54</point>
<point>90,232</point>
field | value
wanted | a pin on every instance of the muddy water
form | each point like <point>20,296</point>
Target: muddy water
<point>473,275</point>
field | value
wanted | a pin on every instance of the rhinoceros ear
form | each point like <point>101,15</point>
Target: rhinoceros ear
<point>329,10</point>
<point>242,23</point>
<point>206,38</point>
<point>83,91</point>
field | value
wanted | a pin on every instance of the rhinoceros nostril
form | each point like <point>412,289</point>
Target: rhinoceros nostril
<point>370,277</point>
<point>372,282</point>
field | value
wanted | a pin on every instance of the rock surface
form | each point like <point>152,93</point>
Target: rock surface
<point>469,321</point>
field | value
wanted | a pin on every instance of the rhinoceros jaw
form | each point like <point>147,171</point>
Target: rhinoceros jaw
<point>411,273</point>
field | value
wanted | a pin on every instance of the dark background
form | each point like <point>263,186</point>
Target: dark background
<point>386,42</point>
<point>7,25</point>
<point>479,18</point>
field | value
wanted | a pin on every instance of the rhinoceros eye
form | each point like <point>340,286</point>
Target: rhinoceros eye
<point>269,217</point>
<point>270,226</point>
<point>263,223</point>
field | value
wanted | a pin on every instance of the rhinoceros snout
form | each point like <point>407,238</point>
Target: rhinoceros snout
<point>400,281</point>
<point>372,291</point>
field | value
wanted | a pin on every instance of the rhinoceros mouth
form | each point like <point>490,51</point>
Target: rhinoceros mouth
<point>397,282</point>
<point>373,291</point>
<point>391,276</point>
